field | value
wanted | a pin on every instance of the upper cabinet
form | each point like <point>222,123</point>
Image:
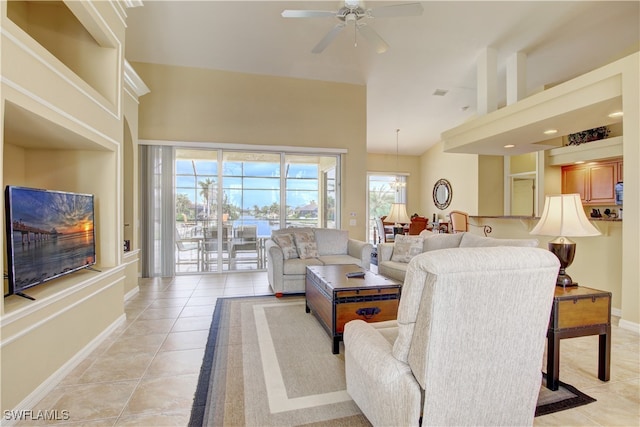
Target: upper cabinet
<point>595,182</point>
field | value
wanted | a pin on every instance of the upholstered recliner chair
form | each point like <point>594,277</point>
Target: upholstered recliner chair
<point>468,343</point>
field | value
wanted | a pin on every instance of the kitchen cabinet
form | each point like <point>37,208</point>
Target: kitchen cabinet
<point>595,182</point>
<point>620,174</point>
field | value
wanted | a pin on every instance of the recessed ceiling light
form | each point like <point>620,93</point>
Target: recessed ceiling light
<point>509,146</point>
<point>550,131</point>
<point>616,114</point>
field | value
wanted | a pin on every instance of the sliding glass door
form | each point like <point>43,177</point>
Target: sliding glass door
<point>227,202</point>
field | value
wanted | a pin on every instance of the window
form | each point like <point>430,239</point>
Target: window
<point>383,192</point>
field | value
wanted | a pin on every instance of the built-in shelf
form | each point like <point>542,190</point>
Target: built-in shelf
<point>84,47</point>
<point>604,149</point>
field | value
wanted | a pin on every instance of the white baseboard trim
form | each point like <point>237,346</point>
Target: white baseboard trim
<point>629,326</point>
<point>625,324</point>
<point>133,292</point>
<point>50,383</point>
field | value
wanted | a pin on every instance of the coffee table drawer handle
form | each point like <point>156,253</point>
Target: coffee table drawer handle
<point>367,312</point>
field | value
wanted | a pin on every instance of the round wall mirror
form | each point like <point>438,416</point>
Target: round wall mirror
<point>442,194</point>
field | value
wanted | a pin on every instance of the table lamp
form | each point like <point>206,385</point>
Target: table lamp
<point>398,215</point>
<point>564,217</point>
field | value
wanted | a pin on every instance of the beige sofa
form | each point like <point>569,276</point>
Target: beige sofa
<point>291,250</point>
<point>393,258</point>
<point>467,347</point>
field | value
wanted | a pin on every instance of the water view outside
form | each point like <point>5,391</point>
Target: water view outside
<point>219,193</point>
<point>251,190</point>
<point>51,235</point>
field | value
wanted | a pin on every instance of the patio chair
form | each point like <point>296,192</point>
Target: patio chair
<point>245,241</point>
<point>185,246</point>
<point>210,248</point>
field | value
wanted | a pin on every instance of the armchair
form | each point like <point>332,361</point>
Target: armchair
<point>468,343</point>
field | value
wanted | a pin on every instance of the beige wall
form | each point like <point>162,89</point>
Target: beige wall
<point>490,185</point>
<point>630,70</point>
<point>461,170</point>
<point>209,106</point>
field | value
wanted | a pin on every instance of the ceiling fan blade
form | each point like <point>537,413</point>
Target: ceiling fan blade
<point>307,13</point>
<point>326,40</point>
<point>408,9</point>
<point>372,37</point>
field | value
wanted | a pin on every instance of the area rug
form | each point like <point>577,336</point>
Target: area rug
<point>268,363</point>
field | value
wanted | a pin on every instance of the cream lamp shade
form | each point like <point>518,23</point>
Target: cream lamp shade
<point>398,214</point>
<point>563,216</point>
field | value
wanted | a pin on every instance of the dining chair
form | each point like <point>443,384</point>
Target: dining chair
<point>459,221</point>
<point>385,234</point>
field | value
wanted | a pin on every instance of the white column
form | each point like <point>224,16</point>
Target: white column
<point>487,76</point>
<point>516,77</point>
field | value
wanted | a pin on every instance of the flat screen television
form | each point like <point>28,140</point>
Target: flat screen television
<point>49,234</point>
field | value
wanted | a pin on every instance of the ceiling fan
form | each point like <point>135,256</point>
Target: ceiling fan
<point>353,11</point>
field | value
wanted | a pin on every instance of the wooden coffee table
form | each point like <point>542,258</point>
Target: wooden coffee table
<point>336,299</point>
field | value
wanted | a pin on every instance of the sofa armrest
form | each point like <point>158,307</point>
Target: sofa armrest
<point>385,250</point>
<point>361,250</point>
<point>275,266</point>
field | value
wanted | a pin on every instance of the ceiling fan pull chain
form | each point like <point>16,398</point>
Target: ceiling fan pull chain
<point>355,35</point>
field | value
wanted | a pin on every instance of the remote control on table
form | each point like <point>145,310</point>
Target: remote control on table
<point>355,274</point>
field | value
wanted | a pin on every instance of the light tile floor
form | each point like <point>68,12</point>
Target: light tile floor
<point>145,373</point>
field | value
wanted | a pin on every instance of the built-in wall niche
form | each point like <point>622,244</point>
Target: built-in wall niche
<point>38,153</point>
<point>29,129</point>
<point>84,47</point>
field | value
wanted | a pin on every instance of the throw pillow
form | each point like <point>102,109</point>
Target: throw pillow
<point>287,244</point>
<point>331,241</point>
<point>442,241</point>
<point>406,247</point>
<point>306,244</point>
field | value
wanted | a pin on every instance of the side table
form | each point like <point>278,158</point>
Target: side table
<point>576,312</point>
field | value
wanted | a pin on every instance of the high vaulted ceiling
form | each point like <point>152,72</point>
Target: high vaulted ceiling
<point>436,51</point>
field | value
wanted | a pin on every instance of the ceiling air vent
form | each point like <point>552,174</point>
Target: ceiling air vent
<point>440,92</point>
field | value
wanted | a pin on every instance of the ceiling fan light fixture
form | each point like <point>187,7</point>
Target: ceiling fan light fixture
<point>353,12</point>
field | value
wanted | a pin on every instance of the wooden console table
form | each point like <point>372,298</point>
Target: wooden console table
<point>576,312</point>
